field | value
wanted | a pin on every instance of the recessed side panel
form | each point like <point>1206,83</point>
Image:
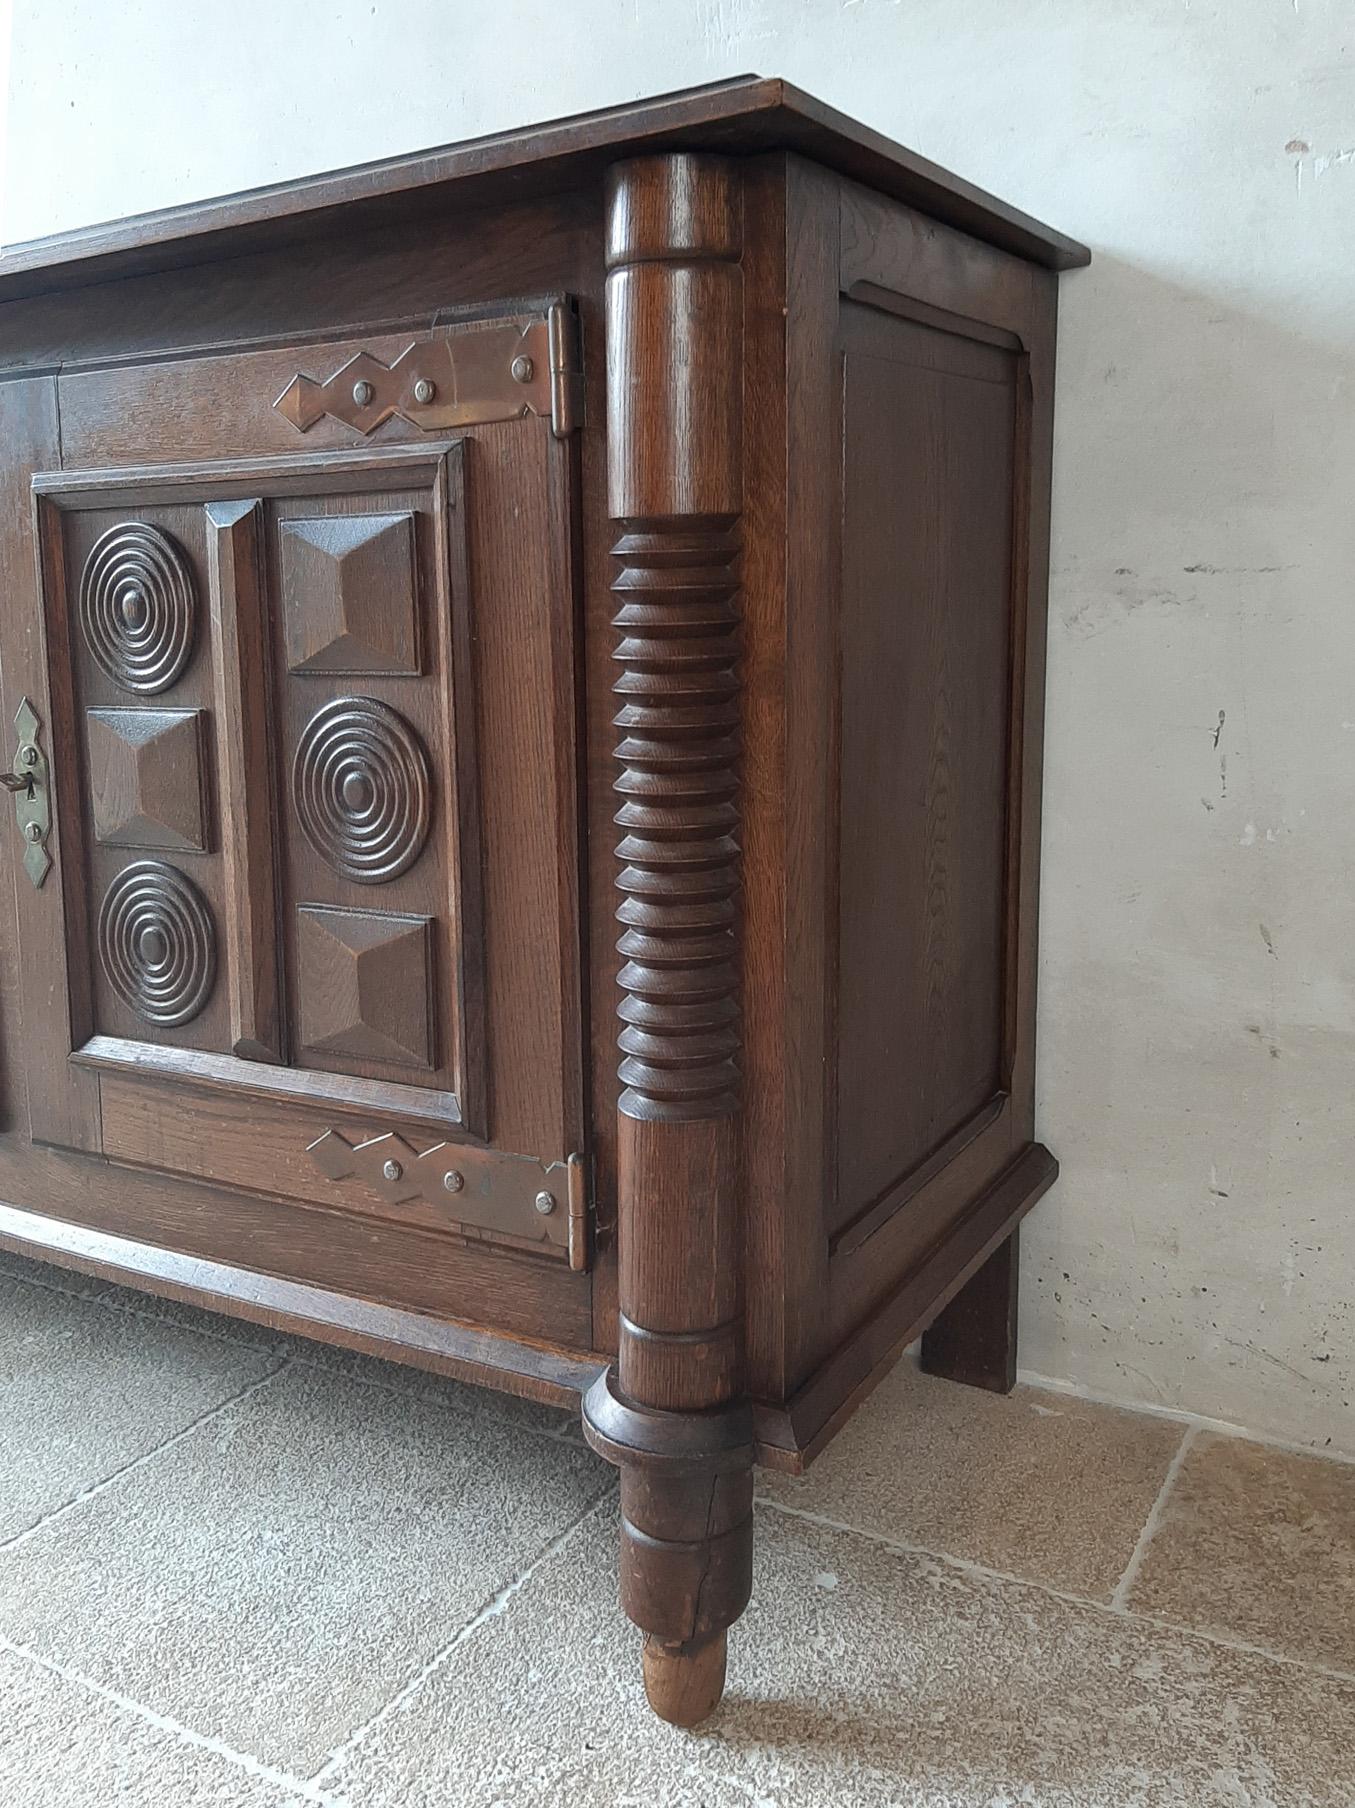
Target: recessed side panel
<point>929,475</point>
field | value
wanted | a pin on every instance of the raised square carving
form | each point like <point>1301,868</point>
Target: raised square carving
<point>348,592</point>
<point>366,984</point>
<point>146,778</point>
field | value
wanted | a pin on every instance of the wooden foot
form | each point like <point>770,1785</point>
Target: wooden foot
<point>684,1683</point>
<point>974,1339</point>
<point>686,1537</point>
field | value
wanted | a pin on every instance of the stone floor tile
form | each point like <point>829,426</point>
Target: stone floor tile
<point>1041,1485</point>
<point>84,1391</point>
<point>1257,1543</point>
<point>555,1421</point>
<point>861,1677</point>
<point>135,1300</point>
<point>460,1396</point>
<point>276,1578</point>
<point>61,1746</point>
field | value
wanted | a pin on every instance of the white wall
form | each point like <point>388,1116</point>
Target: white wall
<point>1199,982</point>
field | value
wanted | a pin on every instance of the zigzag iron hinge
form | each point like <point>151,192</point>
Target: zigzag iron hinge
<point>458,376</point>
<point>468,1189</point>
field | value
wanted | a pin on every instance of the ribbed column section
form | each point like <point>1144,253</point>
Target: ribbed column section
<point>678,740</point>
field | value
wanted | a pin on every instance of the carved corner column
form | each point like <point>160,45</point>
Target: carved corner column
<point>671,1413</point>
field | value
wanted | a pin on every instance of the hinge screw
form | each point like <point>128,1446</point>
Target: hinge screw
<point>392,1170</point>
<point>523,369</point>
<point>33,831</point>
<point>362,392</point>
<point>545,1204</point>
<point>453,1181</point>
<point>424,391</point>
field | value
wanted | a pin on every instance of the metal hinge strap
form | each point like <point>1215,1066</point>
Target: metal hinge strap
<point>578,1212</point>
<point>566,369</point>
<point>460,1187</point>
<point>495,370</point>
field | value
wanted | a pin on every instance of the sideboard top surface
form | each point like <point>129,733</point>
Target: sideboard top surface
<point>742,116</point>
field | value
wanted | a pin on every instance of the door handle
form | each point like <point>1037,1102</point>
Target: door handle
<point>31,784</point>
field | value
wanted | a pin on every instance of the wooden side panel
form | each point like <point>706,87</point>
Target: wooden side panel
<point>928,461</point>
<point>914,663</point>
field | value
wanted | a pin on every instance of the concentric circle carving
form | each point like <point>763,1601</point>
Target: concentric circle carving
<point>157,943</point>
<point>362,788</point>
<point>138,606</point>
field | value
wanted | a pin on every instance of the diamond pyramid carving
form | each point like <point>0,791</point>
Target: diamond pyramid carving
<point>366,985</point>
<point>348,592</point>
<point>146,778</point>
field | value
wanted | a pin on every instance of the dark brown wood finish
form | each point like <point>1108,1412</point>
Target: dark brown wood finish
<point>974,1339</point>
<point>671,1413</point>
<point>578,587</point>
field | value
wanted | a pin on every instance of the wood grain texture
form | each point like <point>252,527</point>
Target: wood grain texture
<point>148,778</point>
<point>139,606</point>
<point>674,370</point>
<point>36,1088</point>
<point>157,943</point>
<point>973,1339</point>
<point>678,747</point>
<point>55,945</point>
<point>366,985</point>
<point>751,658</point>
<point>243,697</point>
<point>792,1433</point>
<point>792,534</point>
<point>367,1255</point>
<point>929,449</point>
<point>348,594</point>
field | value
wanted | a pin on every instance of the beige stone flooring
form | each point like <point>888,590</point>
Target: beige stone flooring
<point>236,1569</point>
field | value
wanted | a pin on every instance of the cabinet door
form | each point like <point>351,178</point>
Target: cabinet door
<point>267,960</point>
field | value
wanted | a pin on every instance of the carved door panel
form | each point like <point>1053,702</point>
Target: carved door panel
<point>271,857</point>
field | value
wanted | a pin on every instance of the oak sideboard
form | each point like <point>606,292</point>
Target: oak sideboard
<point>523,674</point>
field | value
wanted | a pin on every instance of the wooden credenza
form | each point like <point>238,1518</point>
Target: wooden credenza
<point>580,587</point>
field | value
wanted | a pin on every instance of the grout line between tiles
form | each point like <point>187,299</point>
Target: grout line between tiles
<point>1124,1587</point>
<point>483,1396</point>
<point>967,1566</point>
<point>1180,1415</point>
<point>133,1309</point>
<point>175,1729</point>
<point>489,1610</point>
<point>139,1462</point>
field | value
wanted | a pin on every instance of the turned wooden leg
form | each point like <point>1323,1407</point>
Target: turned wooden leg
<point>686,1538</point>
<point>672,1413</point>
<point>974,1339</point>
